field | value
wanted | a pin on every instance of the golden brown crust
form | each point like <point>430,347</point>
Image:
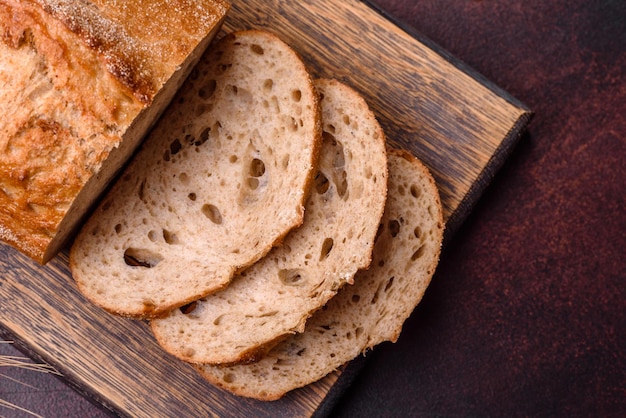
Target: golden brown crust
<point>74,77</point>
<point>141,43</point>
<point>44,160</point>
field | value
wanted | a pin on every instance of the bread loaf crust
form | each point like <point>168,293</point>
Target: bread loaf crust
<point>76,79</point>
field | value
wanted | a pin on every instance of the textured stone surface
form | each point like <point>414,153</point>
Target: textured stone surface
<point>526,314</point>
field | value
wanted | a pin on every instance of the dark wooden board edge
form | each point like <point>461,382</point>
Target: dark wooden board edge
<point>64,375</point>
<point>507,145</point>
<point>350,372</point>
<point>452,59</point>
<point>352,369</point>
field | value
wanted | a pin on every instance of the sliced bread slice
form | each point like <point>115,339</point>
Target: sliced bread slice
<point>276,296</point>
<point>220,180</point>
<point>371,311</point>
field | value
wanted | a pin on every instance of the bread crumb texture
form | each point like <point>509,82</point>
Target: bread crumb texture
<point>275,296</point>
<point>220,180</point>
<point>364,314</point>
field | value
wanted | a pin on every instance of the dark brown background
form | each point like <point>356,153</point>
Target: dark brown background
<point>526,315</point>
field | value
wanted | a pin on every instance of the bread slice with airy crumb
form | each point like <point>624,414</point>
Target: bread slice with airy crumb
<point>219,181</point>
<point>275,297</point>
<point>371,311</point>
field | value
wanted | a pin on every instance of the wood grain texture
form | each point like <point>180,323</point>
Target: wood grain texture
<point>457,123</point>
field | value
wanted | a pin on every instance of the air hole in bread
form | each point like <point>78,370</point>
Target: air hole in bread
<point>170,237</point>
<point>291,277</point>
<point>166,156</point>
<point>267,85</point>
<point>218,320</point>
<point>118,228</point>
<point>321,183</point>
<point>394,228</point>
<point>233,158</point>
<point>138,257</point>
<point>253,183</point>
<point>327,246</point>
<point>419,253</point>
<point>296,95</point>
<point>342,185</point>
<point>418,232</point>
<point>389,283</point>
<point>291,123</point>
<point>222,68</point>
<point>415,191</point>
<point>257,49</point>
<point>175,147</point>
<point>212,213</point>
<point>207,90</point>
<point>356,298</point>
<point>338,161</point>
<point>375,297</point>
<point>346,119</point>
<point>257,167</point>
<point>188,308</point>
<point>152,235</point>
<point>229,378</point>
<point>183,178</point>
<point>192,196</point>
<point>268,314</point>
<point>358,331</point>
<point>204,136</point>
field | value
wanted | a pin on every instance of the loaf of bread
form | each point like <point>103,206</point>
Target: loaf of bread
<point>275,297</point>
<point>367,313</point>
<point>221,178</point>
<point>82,82</point>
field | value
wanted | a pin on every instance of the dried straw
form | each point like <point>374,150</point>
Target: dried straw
<point>26,364</point>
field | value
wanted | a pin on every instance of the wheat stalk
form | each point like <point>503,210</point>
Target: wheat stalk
<point>14,407</point>
<point>23,363</point>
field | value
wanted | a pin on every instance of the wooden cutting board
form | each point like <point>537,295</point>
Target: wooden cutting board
<point>459,124</point>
